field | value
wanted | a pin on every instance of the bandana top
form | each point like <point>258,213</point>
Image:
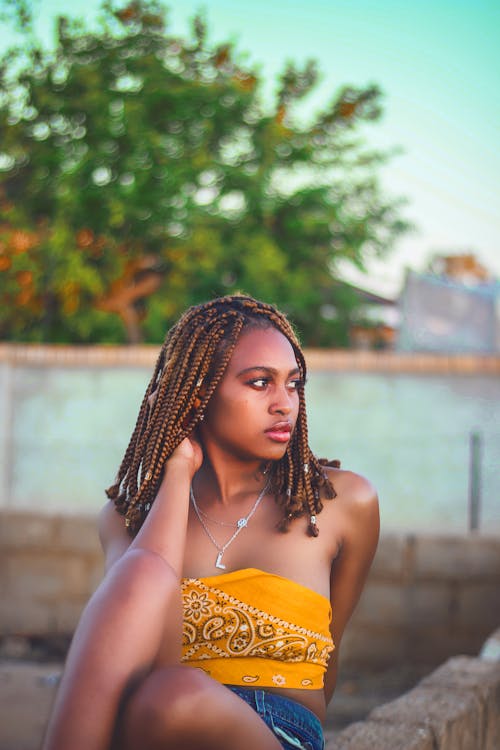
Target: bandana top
<point>257,629</point>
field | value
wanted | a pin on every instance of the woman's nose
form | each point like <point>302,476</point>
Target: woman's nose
<point>282,404</point>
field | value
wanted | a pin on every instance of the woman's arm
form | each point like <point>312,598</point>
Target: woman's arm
<point>359,516</point>
<point>163,531</point>
<point>133,614</point>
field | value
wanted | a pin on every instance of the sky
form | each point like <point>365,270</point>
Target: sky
<point>438,64</point>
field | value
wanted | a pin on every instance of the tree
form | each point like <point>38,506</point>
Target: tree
<point>140,173</point>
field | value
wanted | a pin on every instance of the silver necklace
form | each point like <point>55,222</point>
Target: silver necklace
<point>221,523</point>
<point>241,524</point>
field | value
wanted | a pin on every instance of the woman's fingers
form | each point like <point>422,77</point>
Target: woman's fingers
<point>190,451</point>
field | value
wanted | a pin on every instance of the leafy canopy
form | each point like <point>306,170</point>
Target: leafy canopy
<point>140,173</point>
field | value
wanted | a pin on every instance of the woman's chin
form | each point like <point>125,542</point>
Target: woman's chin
<point>275,452</point>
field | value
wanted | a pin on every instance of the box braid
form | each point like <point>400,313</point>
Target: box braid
<point>190,365</point>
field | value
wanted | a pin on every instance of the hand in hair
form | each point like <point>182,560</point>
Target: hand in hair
<point>188,451</point>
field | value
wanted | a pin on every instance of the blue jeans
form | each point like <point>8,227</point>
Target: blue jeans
<point>293,725</point>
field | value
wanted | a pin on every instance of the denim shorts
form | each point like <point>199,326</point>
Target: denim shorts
<point>293,725</point>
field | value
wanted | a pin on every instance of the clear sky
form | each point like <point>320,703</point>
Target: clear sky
<point>438,63</point>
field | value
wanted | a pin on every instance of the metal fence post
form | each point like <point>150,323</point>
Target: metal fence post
<point>475,441</point>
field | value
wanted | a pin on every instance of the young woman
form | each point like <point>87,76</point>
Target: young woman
<point>228,544</point>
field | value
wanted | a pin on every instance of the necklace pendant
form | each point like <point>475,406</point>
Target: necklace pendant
<point>219,563</point>
<point>242,522</point>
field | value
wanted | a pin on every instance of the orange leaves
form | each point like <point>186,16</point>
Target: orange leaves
<point>347,109</point>
<point>24,297</point>
<point>20,241</point>
<point>133,12</point>
<point>84,238</point>
<point>280,114</point>
<point>128,14</point>
<point>244,81</point>
<point>15,242</point>
<point>87,240</point>
<point>27,292</point>
<point>24,278</point>
<point>222,55</point>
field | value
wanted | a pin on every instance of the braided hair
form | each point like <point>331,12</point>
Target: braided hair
<point>191,364</point>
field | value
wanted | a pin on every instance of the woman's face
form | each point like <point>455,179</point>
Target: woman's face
<point>254,409</point>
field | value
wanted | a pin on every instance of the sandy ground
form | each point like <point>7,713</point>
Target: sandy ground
<point>27,689</point>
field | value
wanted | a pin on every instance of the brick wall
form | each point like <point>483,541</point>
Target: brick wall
<point>427,598</point>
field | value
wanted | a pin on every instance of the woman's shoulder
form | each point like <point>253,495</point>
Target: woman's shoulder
<point>356,499</point>
<point>111,527</point>
<point>354,515</point>
<point>350,486</point>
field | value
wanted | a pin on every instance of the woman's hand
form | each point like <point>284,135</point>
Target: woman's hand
<point>189,452</point>
<point>164,529</point>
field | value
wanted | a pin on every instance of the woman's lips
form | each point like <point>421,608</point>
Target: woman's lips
<point>280,432</point>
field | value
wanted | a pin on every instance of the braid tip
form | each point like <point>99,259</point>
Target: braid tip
<point>312,528</point>
<point>112,492</point>
<point>284,524</point>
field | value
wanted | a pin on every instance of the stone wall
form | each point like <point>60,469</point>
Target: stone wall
<point>457,707</point>
<point>427,597</point>
<point>49,566</point>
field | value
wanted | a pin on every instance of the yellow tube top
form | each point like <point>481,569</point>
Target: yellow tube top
<point>257,629</point>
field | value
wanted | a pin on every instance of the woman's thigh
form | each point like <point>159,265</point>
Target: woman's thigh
<point>181,708</point>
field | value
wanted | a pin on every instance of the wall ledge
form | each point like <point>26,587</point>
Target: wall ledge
<point>454,708</point>
<point>332,360</point>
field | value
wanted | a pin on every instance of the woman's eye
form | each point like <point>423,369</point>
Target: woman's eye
<point>259,382</point>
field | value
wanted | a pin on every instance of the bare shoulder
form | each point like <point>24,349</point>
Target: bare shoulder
<point>112,532</point>
<point>356,500</point>
<point>110,523</point>
<point>352,487</point>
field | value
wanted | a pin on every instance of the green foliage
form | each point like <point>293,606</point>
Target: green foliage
<point>139,173</point>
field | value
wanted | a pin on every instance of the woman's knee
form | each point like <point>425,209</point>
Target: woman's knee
<point>168,702</point>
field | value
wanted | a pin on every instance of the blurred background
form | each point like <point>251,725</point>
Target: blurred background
<point>339,159</point>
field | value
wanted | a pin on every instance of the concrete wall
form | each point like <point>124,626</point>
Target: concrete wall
<point>104,355</point>
<point>427,598</point>
<point>404,421</point>
<point>457,707</point>
<point>49,566</point>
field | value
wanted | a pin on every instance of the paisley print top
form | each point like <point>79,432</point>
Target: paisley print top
<point>249,628</point>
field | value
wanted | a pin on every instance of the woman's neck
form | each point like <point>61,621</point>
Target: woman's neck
<point>227,480</point>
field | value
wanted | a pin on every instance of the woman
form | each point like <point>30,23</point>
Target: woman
<point>212,627</point>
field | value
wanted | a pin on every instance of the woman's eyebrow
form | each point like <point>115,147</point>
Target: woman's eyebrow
<point>268,370</point>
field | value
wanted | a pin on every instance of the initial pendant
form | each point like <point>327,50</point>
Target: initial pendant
<point>219,563</point>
